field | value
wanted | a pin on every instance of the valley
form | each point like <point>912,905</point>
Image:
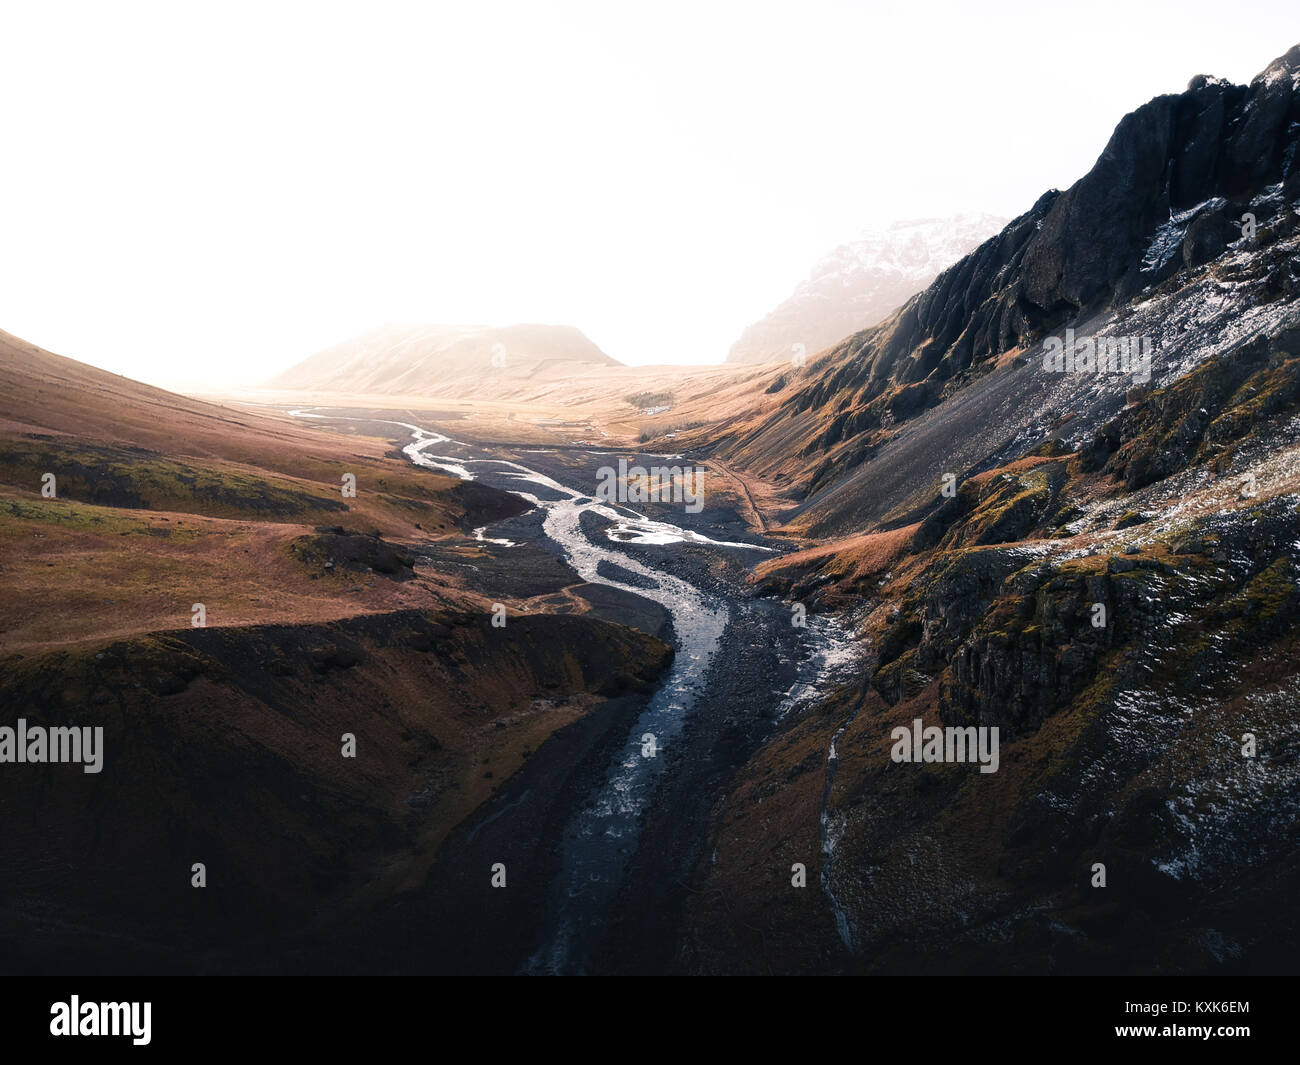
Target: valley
<point>964,641</point>
<point>678,749</point>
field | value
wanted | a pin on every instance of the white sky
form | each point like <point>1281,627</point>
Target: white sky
<point>204,194</point>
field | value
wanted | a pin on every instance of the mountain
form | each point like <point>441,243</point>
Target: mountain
<point>859,283</point>
<point>1154,230</point>
<point>124,509</point>
<point>440,359</point>
<point>1052,499</point>
<point>1095,557</point>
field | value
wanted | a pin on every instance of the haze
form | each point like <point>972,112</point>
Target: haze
<point>202,197</point>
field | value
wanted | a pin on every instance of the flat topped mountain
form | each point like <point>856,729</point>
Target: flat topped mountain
<point>861,282</point>
<point>428,358</point>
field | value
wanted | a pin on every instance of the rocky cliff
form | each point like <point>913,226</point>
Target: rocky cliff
<point>1101,565</point>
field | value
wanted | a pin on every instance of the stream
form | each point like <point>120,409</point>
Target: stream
<point>602,836</point>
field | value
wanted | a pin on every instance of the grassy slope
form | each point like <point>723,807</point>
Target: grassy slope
<point>223,743</point>
<point>163,502</point>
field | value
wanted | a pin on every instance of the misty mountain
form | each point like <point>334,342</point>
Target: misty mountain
<point>409,359</point>
<point>859,283</point>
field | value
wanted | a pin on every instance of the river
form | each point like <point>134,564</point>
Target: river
<point>602,836</point>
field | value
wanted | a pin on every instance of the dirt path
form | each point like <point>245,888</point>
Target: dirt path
<point>752,515</point>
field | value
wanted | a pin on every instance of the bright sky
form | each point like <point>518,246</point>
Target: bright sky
<point>204,194</point>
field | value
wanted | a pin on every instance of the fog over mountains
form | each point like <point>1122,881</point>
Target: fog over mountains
<point>447,602</point>
<point>422,358</point>
<point>860,282</point>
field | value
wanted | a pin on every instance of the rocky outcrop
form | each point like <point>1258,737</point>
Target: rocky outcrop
<point>1201,415</point>
<point>1168,192</point>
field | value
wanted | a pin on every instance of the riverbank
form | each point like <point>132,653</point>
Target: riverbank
<point>601,832</point>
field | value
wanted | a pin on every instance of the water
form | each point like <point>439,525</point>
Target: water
<point>599,840</point>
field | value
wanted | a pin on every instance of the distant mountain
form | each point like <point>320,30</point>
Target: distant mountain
<point>860,282</point>
<point>436,358</point>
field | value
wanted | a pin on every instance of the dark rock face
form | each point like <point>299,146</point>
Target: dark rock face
<point>1215,140</point>
<point>1207,151</point>
<point>1207,237</point>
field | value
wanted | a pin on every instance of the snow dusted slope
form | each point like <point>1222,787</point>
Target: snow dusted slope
<point>860,282</point>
